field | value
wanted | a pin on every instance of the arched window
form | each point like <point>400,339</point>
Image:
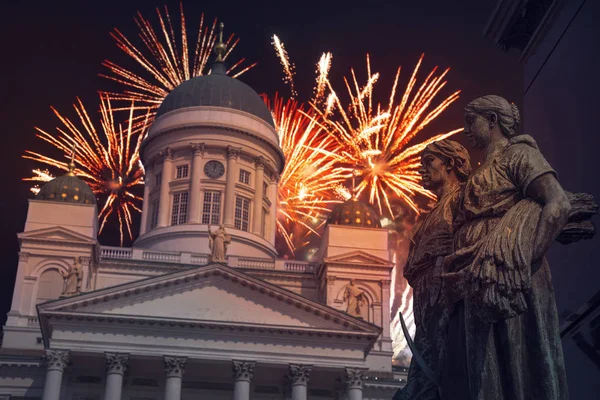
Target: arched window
<point>50,286</point>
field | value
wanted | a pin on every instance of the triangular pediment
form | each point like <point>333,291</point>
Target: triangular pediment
<point>56,234</point>
<point>213,294</point>
<point>358,257</point>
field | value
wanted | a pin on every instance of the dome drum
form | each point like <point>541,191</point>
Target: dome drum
<point>213,126</point>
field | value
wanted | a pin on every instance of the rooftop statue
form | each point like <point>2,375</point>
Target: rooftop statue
<point>217,242</point>
<point>355,297</point>
<point>72,278</point>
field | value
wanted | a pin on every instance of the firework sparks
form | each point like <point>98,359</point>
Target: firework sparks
<point>39,175</point>
<point>288,67</point>
<point>377,141</point>
<point>169,63</point>
<point>108,161</point>
<point>307,185</point>
<point>323,67</point>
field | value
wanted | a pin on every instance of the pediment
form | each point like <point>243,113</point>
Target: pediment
<point>358,258</point>
<point>56,234</point>
<point>213,294</point>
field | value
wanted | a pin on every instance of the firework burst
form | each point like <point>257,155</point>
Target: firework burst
<point>108,161</point>
<point>307,185</point>
<point>166,61</point>
<point>378,141</point>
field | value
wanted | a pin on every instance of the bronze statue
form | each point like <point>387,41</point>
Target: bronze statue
<point>72,278</point>
<point>503,336</point>
<point>217,242</point>
<point>354,296</point>
<point>445,167</point>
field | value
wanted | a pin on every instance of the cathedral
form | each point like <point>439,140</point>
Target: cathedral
<point>200,307</point>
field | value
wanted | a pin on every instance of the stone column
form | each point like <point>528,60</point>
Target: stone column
<point>354,382</point>
<point>56,361</point>
<point>259,179</point>
<point>198,153</point>
<point>146,203</point>
<point>242,374</point>
<point>385,314</point>
<point>298,376</point>
<point>330,290</point>
<point>229,211</point>
<point>164,199</point>
<point>273,182</point>
<point>116,366</point>
<point>174,369</point>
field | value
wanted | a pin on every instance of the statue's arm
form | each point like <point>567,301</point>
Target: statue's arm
<point>556,207</point>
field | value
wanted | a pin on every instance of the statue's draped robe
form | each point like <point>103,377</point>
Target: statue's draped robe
<point>72,280</point>
<point>352,295</point>
<point>431,238</point>
<point>507,327</point>
<point>219,240</point>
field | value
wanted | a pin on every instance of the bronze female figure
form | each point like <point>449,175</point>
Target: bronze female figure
<point>504,333</point>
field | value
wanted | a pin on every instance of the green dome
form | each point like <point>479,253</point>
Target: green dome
<point>67,189</point>
<point>218,90</point>
<point>354,213</point>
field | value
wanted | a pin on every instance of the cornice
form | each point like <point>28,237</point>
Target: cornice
<point>164,327</point>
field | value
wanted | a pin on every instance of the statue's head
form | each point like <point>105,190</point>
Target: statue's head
<point>352,281</point>
<point>442,160</point>
<point>487,113</point>
<point>222,227</point>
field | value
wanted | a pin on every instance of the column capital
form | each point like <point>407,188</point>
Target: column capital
<point>385,283</point>
<point>197,149</point>
<point>56,359</point>
<point>233,152</point>
<point>274,178</point>
<point>175,366</point>
<point>355,377</point>
<point>299,374</point>
<point>259,162</point>
<point>23,256</point>
<point>167,154</point>
<point>116,363</point>
<point>243,370</point>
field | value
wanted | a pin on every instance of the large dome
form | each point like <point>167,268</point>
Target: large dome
<point>218,90</point>
<point>67,189</point>
<point>354,213</point>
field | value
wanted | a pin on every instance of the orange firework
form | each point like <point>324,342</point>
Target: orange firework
<point>307,185</point>
<point>378,141</point>
<point>166,62</point>
<point>108,161</point>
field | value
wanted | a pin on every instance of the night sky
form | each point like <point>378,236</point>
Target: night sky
<point>52,52</point>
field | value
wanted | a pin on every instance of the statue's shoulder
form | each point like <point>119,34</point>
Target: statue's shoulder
<point>521,143</point>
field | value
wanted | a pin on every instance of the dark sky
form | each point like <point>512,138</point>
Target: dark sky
<point>52,52</point>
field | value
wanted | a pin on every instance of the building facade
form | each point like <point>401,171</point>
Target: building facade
<point>160,320</point>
